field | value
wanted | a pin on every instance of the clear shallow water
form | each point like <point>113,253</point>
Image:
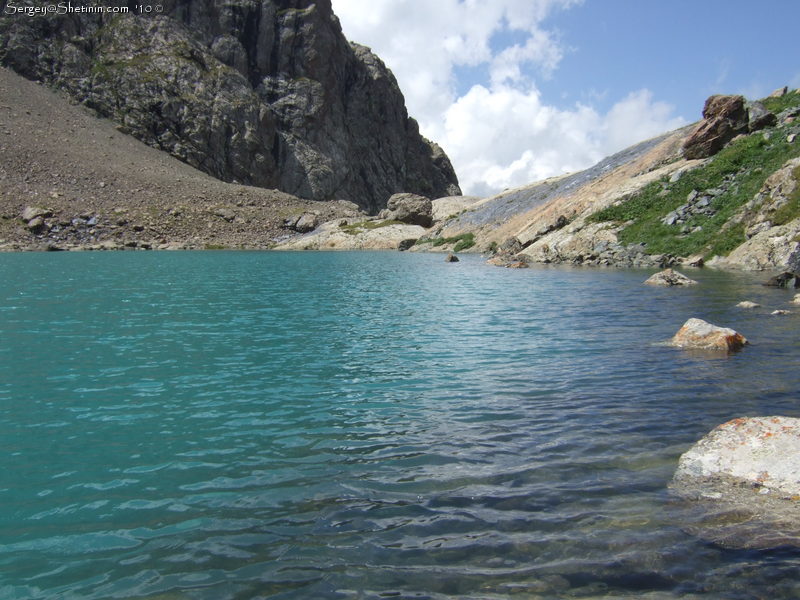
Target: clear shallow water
<point>366,425</point>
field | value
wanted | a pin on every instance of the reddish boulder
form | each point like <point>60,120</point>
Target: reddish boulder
<point>724,117</point>
<point>700,335</point>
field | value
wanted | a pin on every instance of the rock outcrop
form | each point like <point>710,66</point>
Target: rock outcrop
<point>409,208</point>
<point>356,233</point>
<point>697,334</point>
<point>724,117</point>
<point>267,94</point>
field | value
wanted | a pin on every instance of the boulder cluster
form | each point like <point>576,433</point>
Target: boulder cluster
<point>697,203</point>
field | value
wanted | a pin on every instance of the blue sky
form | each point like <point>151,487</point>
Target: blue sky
<point>519,90</point>
<point>683,51</point>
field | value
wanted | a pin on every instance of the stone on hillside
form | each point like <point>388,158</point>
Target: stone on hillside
<point>742,484</point>
<point>32,212</point>
<point>451,258</point>
<point>759,117</point>
<point>406,244</point>
<point>747,304</point>
<point>228,214</point>
<point>668,277</point>
<point>724,117</point>
<point>307,222</point>
<point>700,335</point>
<point>780,92</point>
<point>784,280</point>
<point>37,225</point>
<point>409,208</point>
<point>695,260</point>
<point>511,246</point>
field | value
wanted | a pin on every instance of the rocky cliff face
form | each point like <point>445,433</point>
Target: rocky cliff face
<point>264,93</point>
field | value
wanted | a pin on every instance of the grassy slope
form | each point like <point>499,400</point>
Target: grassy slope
<point>741,168</point>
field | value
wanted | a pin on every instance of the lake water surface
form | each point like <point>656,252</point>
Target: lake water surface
<point>238,425</point>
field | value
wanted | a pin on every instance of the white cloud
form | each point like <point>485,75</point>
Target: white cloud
<point>500,133</point>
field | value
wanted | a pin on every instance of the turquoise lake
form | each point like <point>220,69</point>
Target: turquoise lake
<point>240,425</point>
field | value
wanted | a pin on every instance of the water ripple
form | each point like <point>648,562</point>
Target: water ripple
<point>374,425</point>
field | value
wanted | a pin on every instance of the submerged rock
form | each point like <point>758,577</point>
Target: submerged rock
<point>742,483</point>
<point>668,277</point>
<point>700,335</point>
<point>747,304</point>
<point>451,258</point>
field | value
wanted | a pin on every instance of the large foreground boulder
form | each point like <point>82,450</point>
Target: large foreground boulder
<point>701,335</point>
<point>742,481</point>
<point>760,452</point>
<point>724,117</point>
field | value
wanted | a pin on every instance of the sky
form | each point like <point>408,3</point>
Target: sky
<point>516,91</point>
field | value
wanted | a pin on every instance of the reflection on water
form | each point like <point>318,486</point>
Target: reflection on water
<point>367,425</point>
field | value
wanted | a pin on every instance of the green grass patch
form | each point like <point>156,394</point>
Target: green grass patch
<point>777,105</point>
<point>463,241</point>
<point>740,169</point>
<point>356,228</point>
